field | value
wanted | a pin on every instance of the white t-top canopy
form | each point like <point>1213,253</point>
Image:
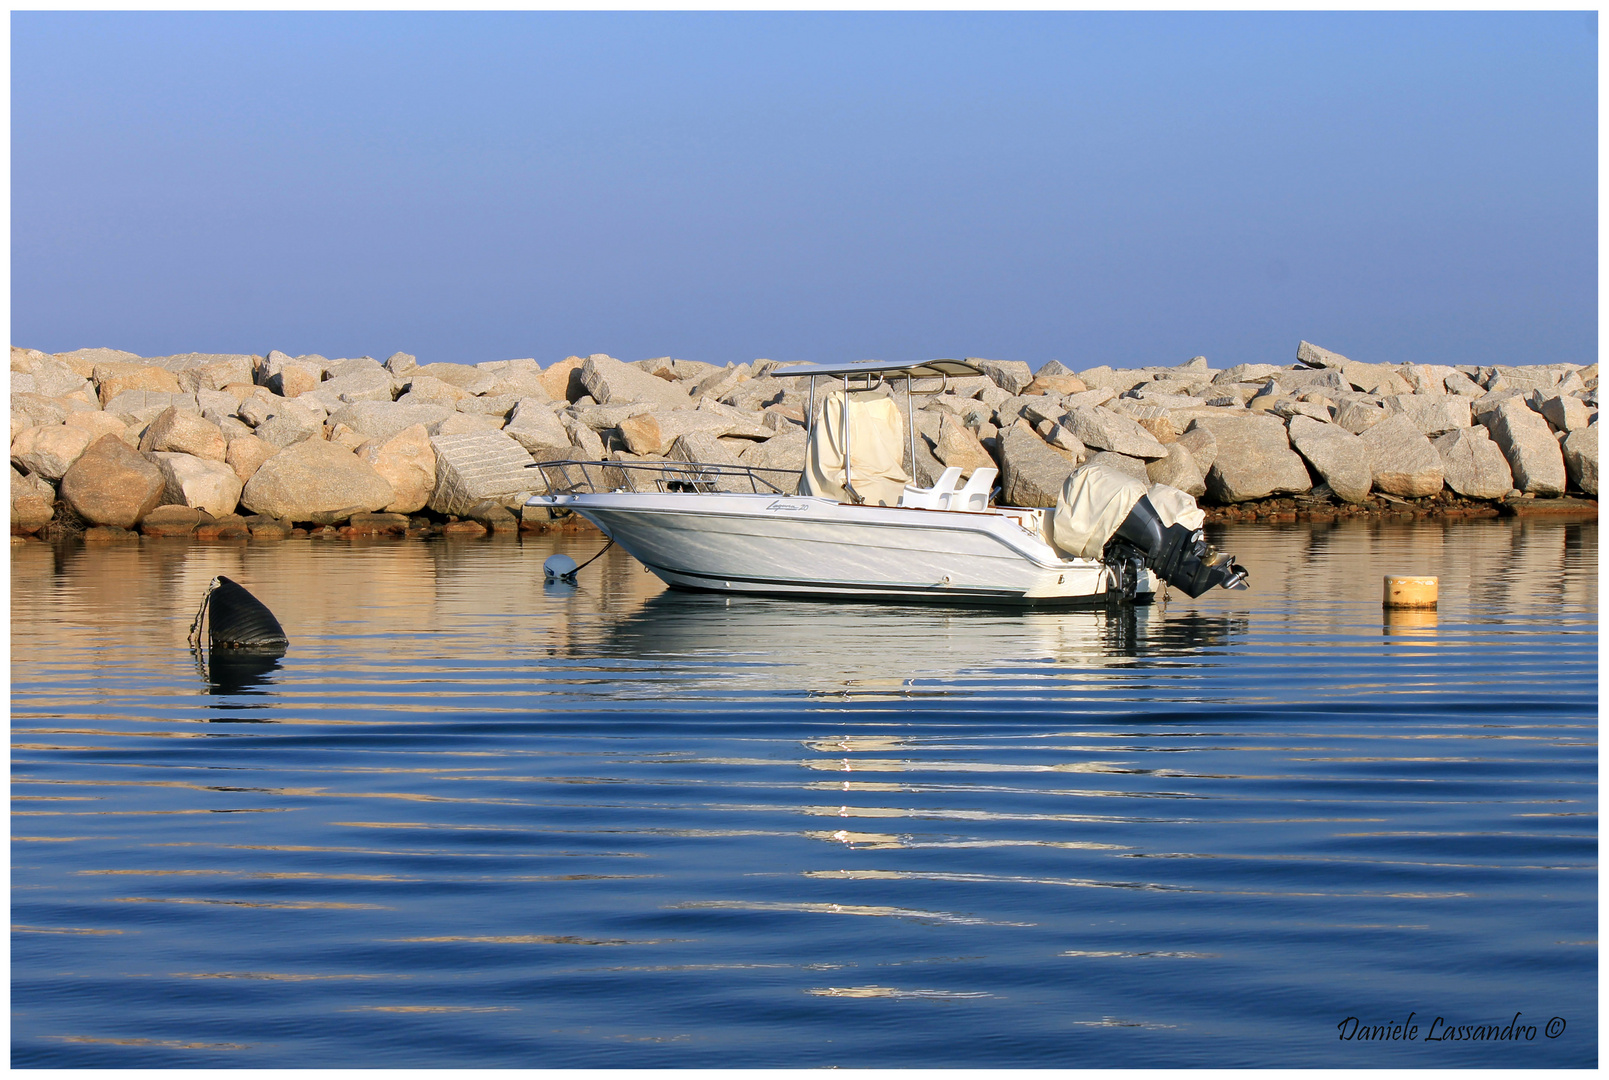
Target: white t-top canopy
<point>916,369</point>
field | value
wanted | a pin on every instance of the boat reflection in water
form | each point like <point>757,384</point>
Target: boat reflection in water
<point>844,646</point>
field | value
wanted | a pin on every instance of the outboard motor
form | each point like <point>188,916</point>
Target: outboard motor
<point>1176,554</point>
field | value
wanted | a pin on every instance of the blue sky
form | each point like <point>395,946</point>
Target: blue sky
<point>1128,188</point>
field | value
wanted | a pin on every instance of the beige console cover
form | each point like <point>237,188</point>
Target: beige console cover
<point>1095,500</point>
<point>876,442</point>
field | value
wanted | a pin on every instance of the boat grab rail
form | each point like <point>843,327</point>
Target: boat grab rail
<point>575,477</point>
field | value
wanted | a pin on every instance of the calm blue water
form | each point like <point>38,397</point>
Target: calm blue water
<point>472,820</point>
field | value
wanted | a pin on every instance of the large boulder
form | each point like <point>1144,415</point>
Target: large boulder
<point>562,380</point>
<point>1202,446</point>
<point>1529,444</point>
<point>293,423</point>
<point>199,482</point>
<point>610,381</point>
<point>49,451</point>
<point>467,377</point>
<point>111,484</point>
<point>1339,457</point>
<point>1581,457</point>
<point>1358,413</point>
<point>1031,470</point>
<point>785,451</point>
<point>1102,429</point>
<point>428,390</point>
<point>408,463</point>
<point>180,432</point>
<point>654,433</point>
<point>1254,458</point>
<point>33,503</point>
<point>1473,465</point>
<point>1431,413</point>
<point>1178,469</point>
<point>96,423</point>
<point>52,378</point>
<point>475,467</point>
<point>315,481</point>
<point>1401,458</point>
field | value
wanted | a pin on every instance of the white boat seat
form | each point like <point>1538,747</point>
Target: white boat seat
<point>935,497</point>
<point>975,495</point>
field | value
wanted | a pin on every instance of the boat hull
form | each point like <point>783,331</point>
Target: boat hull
<point>803,546</point>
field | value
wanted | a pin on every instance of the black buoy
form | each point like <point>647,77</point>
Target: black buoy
<point>244,641</point>
<point>236,619</point>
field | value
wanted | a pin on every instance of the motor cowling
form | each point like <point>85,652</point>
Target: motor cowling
<point>1176,554</point>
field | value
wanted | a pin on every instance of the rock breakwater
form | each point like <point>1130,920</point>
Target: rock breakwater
<point>107,444</point>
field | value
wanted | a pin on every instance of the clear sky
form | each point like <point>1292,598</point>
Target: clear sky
<point>1095,188</point>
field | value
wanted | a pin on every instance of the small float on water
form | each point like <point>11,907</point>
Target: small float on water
<point>852,524</point>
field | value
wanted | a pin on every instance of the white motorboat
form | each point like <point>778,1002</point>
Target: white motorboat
<point>852,525</point>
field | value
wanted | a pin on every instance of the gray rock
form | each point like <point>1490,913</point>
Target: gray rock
<point>1339,457</point>
<point>426,389</point>
<point>534,426</point>
<point>204,483</point>
<point>785,451</point>
<point>1566,413</point>
<point>383,419</point>
<point>1031,471</point>
<point>111,484</point>
<point>315,481</point>
<point>1104,377</point>
<point>37,408</point>
<point>1254,459</point>
<point>1473,465</point>
<point>1462,385</point>
<point>366,384</point>
<point>702,448</point>
<point>459,423</point>
<point>289,426</point>
<point>49,451</point>
<point>587,446</point>
<point>1358,413</point>
<point>756,394</point>
<point>1313,356</point>
<point>1133,466</point>
<point>1401,458</point>
<point>401,363</point>
<point>33,503</point>
<point>52,378</point>
<point>1325,380</point>
<point>339,369</point>
<point>1581,457</point>
<point>1010,375</point>
<point>147,405</point>
<point>1432,414</point>
<point>1528,443</point>
<point>466,377</point>
<point>654,433</point>
<point>1178,469</point>
<point>1202,445</point>
<point>1102,429</point>
<point>1247,373</point>
<point>179,432</point>
<point>499,407</point>
<point>610,381</point>
<point>603,417</point>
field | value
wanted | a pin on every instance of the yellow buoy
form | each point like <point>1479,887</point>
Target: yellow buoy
<point>1407,591</point>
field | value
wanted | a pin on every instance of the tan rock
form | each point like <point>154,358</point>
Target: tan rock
<point>171,520</point>
<point>180,432</point>
<point>114,378</point>
<point>408,464</point>
<point>562,380</point>
<point>246,455</point>
<point>316,481</point>
<point>203,483</point>
<point>1055,384</point>
<point>98,424</point>
<point>33,503</point>
<point>958,446</point>
<point>111,484</point>
<point>49,451</point>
